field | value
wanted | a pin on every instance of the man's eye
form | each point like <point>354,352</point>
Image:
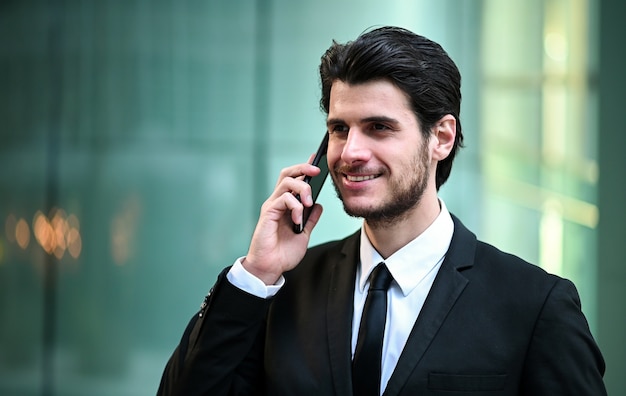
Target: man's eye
<point>379,127</point>
<point>338,129</point>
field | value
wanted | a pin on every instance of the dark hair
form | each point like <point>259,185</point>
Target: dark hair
<point>416,65</point>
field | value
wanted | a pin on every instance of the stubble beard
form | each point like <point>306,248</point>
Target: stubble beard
<point>404,196</point>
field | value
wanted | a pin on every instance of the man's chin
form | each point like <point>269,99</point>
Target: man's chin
<point>362,211</point>
<point>356,206</point>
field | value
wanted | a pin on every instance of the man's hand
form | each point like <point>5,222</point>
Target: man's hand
<point>275,248</point>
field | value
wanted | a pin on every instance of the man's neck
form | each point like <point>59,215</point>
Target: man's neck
<point>388,238</point>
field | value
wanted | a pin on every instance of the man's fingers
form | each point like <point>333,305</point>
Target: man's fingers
<point>293,205</point>
<point>291,194</point>
<point>295,187</point>
<point>298,171</point>
<point>314,217</point>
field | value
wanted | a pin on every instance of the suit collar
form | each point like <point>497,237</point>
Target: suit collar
<point>446,289</point>
<point>410,264</point>
<point>340,311</point>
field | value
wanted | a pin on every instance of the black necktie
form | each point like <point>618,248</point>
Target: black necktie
<point>366,365</point>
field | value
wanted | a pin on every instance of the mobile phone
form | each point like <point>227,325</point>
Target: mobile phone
<point>316,182</point>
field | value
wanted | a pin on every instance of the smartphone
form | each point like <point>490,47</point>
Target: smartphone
<point>316,182</point>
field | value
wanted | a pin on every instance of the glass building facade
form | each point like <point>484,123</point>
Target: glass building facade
<point>139,138</point>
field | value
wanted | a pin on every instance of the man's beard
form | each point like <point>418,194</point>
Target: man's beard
<point>404,195</point>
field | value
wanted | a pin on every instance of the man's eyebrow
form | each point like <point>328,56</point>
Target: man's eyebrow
<point>383,119</point>
<point>334,121</point>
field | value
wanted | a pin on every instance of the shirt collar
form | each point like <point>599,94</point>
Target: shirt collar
<point>415,260</point>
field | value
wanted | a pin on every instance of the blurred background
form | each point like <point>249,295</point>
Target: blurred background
<point>138,139</point>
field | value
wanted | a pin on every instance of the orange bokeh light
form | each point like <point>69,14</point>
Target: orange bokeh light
<point>74,242</point>
<point>58,235</point>
<point>44,234</point>
<point>22,233</point>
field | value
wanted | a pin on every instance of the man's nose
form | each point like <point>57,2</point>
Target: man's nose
<point>356,147</point>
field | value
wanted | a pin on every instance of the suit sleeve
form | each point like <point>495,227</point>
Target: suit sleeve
<point>221,350</point>
<point>563,358</point>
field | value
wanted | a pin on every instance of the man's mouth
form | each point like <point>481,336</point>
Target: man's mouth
<point>360,178</point>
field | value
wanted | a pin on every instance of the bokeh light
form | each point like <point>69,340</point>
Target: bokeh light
<point>58,234</point>
<point>123,230</point>
<point>22,233</point>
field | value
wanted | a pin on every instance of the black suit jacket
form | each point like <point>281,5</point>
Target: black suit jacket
<point>492,324</point>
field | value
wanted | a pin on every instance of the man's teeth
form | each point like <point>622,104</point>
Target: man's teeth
<point>360,178</point>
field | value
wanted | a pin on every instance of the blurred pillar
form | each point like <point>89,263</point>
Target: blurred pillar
<point>262,104</point>
<point>50,268</point>
<point>612,193</point>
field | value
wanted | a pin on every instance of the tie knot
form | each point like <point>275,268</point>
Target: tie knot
<point>381,278</point>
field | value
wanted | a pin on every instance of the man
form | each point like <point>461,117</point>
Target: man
<point>462,318</point>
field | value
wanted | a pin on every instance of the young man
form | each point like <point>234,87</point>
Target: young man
<point>459,317</point>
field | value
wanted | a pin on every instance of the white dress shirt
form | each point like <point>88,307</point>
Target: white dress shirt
<point>413,268</point>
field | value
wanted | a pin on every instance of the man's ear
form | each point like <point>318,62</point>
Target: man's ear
<point>443,135</point>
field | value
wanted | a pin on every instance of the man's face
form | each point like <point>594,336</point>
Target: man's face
<point>379,161</point>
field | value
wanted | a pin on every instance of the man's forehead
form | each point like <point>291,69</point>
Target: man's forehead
<point>376,100</point>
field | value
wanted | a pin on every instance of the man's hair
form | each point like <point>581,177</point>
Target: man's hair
<point>416,65</point>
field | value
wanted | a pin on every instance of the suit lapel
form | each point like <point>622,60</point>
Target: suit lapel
<point>339,309</point>
<point>446,289</point>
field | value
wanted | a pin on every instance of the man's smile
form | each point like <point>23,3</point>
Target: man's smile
<point>359,178</point>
